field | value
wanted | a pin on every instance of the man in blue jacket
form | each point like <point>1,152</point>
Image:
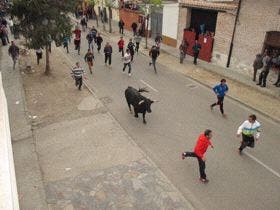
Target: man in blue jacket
<point>220,90</point>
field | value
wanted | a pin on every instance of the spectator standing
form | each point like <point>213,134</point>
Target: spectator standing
<point>11,25</point>
<point>258,64</point>
<point>266,67</point>
<point>14,53</point>
<point>39,55</point>
<point>199,152</point>
<point>250,130</point>
<point>220,91</point>
<point>121,45</point>
<point>78,73</point>
<point>108,53</point>
<point>183,50</point>
<point>134,28</point>
<point>121,25</point>
<point>99,41</point>
<point>154,53</point>
<point>196,48</point>
<point>127,62</point>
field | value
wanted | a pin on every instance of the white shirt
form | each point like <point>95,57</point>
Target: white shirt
<point>127,58</point>
<point>11,23</point>
<point>250,129</point>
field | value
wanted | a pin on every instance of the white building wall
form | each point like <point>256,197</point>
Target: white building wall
<point>170,20</point>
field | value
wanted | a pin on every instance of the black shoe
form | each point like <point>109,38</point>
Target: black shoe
<point>258,84</point>
<point>263,85</point>
<point>183,155</point>
<point>150,64</point>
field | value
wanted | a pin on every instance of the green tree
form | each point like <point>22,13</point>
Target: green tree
<point>147,7</point>
<point>42,21</point>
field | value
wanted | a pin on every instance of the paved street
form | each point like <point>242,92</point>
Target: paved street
<point>250,181</point>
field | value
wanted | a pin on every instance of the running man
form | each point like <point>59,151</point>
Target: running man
<point>250,130</point>
<point>77,74</point>
<point>127,62</point>
<point>220,90</point>
<point>199,152</point>
<point>89,57</point>
<point>14,53</point>
<point>154,53</point>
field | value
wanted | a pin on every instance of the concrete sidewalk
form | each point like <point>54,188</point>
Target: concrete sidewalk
<point>242,88</point>
<point>80,154</point>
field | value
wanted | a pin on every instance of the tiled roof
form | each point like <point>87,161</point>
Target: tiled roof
<point>209,5</point>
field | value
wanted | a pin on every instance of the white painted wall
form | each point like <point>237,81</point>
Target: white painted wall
<point>170,20</point>
<point>8,187</point>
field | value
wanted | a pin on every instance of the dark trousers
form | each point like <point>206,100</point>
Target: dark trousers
<point>263,77</point>
<point>255,74</point>
<point>134,32</point>
<point>195,56</point>
<point>121,50</point>
<point>79,82</point>
<point>108,57</point>
<point>129,67</point>
<point>247,141</point>
<point>220,102</point>
<point>154,64</point>
<point>98,47</point>
<point>137,47</point>
<point>39,56</point>
<point>121,30</point>
<point>132,54</point>
<point>201,164</point>
<point>66,46</point>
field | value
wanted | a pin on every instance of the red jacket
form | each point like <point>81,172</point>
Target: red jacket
<point>201,145</point>
<point>121,43</point>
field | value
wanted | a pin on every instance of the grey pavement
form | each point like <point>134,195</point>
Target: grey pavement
<point>181,115</point>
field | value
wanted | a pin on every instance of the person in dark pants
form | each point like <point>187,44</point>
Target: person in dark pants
<point>39,54</point>
<point>196,48</point>
<point>137,40</point>
<point>14,53</point>
<point>127,62</point>
<point>121,45</point>
<point>220,90</point>
<point>99,41</point>
<point>263,75</point>
<point>78,73</point>
<point>199,152</point>
<point>154,53</point>
<point>134,28</point>
<point>183,50</point>
<point>121,25</point>
<point>258,64</point>
<point>108,53</point>
<point>250,130</point>
<point>131,47</point>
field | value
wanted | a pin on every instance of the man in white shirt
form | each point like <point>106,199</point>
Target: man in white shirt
<point>127,62</point>
<point>250,130</point>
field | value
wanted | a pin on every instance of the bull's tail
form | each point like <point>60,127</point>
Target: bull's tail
<point>143,90</point>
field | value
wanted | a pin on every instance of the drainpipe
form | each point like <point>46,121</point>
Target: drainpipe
<point>233,33</point>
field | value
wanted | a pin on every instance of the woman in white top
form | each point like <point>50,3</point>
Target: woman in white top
<point>250,130</point>
<point>127,62</point>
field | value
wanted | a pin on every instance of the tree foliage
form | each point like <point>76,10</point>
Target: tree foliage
<point>40,21</point>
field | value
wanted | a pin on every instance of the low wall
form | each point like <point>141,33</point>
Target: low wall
<point>8,187</point>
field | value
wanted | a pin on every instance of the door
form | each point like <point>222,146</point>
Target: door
<point>156,24</point>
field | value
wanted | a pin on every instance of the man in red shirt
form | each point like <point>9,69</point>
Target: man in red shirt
<point>199,152</point>
<point>121,45</point>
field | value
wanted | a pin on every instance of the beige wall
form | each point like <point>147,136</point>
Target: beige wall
<point>183,22</point>
<point>224,29</point>
<point>256,18</point>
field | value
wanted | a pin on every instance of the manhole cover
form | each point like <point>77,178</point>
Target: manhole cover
<point>106,100</point>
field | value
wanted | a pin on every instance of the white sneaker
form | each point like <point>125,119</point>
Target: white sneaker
<point>129,74</point>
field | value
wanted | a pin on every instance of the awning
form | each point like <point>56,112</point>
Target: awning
<point>209,5</point>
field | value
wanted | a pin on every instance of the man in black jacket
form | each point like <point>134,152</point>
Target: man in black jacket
<point>108,53</point>
<point>154,53</point>
<point>121,25</point>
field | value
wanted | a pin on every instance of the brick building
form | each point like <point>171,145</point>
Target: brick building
<point>257,27</point>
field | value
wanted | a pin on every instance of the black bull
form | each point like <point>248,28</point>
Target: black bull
<point>140,103</point>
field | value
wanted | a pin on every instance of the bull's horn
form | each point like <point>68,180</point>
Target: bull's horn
<point>141,102</point>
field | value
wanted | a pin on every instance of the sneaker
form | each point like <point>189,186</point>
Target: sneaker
<point>129,74</point>
<point>224,115</point>
<point>150,64</point>
<point>183,155</point>
<point>203,180</point>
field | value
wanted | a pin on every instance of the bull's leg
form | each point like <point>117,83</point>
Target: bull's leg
<point>135,112</point>
<point>144,120</point>
<point>129,107</point>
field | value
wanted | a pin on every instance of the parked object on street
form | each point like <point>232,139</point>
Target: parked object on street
<point>154,53</point>
<point>140,103</point>
<point>199,152</point>
<point>250,130</point>
<point>220,90</point>
<point>78,74</point>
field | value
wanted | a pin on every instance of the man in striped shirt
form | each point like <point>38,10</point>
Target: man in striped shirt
<point>77,74</point>
<point>250,129</point>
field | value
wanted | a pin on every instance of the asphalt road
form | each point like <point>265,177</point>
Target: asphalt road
<point>250,181</point>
